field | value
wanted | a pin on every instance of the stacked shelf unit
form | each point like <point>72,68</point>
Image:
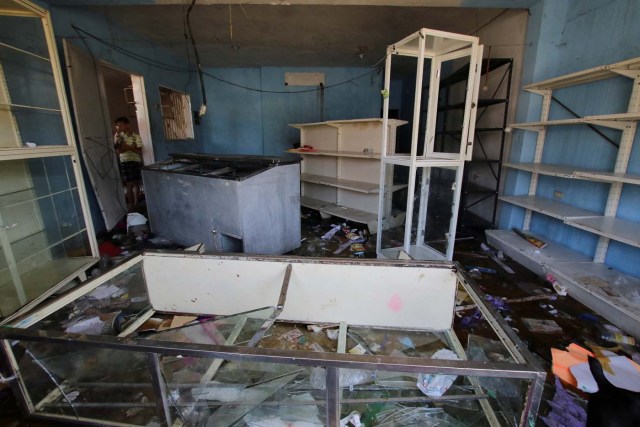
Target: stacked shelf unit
<point>425,236</point>
<point>588,279</point>
<point>482,174</point>
<point>46,234</point>
<point>340,175</point>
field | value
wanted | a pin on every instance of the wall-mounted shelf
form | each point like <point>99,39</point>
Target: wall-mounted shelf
<point>566,264</point>
<point>548,207</point>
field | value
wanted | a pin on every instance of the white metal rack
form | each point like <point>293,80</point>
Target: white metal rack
<point>341,173</point>
<point>419,166</point>
<point>46,234</point>
<point>568,266</point>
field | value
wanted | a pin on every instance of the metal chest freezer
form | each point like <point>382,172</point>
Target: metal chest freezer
<point>231,203</point>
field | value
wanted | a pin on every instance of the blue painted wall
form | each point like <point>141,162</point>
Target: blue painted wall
<point>565,36</point>
<point>64,17</point>
<point>244,121</point>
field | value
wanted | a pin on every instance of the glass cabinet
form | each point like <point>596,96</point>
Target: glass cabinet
<point>179,339</point>
<point>46,235</point>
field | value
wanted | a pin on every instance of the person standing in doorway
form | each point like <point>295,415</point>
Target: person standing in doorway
<point>128,146</point>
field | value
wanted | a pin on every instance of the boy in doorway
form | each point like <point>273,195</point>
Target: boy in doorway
<point>128,146</point>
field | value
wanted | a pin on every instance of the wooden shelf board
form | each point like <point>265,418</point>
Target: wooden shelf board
<point>626,178</point>
<point>350,214</point>
<point>608,120</point>
<point>359,186</point>
<point>585,76</point>
<point>548,207</point>
<point>599,285</point>
<point>329,153</point>
<point>311,203</point>
<point>614,228</point>
<point>543,169</point>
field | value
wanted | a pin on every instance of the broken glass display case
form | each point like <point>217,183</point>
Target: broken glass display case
<point>46,234</point>
<point>170,338</point>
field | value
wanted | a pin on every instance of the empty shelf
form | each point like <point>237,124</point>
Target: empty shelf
<point>350,214</point>
<point>311,203</point>
<point>359,186</point>
<point>593,284</point>
<point>614,228</point>
<point>626,178</point>
<point>328,153</point>
<point>548,207</point>
<point>585,76</point>
<point>543,169</point>
<point>616,121</point>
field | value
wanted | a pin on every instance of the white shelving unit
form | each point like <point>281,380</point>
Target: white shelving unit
<point>424,161</point>
<point>588,280</point>
<point>341,174</point>
<point>46,234</point>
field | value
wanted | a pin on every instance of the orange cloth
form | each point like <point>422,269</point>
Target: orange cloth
<point>563,360</point>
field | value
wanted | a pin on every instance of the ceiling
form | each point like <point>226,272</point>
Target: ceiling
<point>245,34</point>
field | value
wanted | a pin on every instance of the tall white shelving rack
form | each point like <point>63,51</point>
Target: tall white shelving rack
<point>340,176</point>
<point>588,279</point>
<point>431,49</point>
<point>46,234</point>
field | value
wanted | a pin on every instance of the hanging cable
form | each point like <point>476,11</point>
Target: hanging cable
<point>169,67</point>
<point>203,107</point>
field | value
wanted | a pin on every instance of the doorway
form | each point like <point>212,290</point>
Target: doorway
<point>101,93</point>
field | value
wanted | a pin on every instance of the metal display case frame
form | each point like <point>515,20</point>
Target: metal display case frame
<point>28,331</point>
<point>432,49</point>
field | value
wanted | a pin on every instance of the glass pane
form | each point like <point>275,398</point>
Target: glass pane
<point>451,106</point>
<point>402,102</point>
<point>24,33</point>
<point>206,392</point>
<point>107,310</point>
<point>43,236</point>
<point>29,104</point>
<point>82,382</point>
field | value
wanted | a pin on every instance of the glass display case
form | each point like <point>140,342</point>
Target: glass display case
<point>426,162</point>
<point>170,338</point>
<point>46,235</point>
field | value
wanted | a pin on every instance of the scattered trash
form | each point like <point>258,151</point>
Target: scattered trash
<point>348,377</point>
<point>481,270</point>
<point>542,326</point>
<point>407,342</point>
<point>352,419</point>
<point>540,244</point>
<point>512,301</point>
<point>435,385</point>
<point>329,234</point>
<point>486,249</point>
<point>560,289</point>
<point>332,334</point>
<point>314,346</point>
<point>292,336</point>
<point>565,412</point>
<point>358,349</point>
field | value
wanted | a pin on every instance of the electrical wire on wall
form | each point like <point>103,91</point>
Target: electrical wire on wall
<point>375,69</point>
<point>203,107</point>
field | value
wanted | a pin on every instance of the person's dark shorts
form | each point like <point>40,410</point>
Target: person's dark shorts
<point>130,171</point>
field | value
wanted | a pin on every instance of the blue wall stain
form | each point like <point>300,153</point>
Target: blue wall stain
<point>567,37</point>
